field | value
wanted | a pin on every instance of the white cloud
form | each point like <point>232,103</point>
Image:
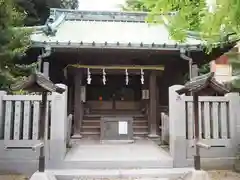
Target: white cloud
<point>103,5</point>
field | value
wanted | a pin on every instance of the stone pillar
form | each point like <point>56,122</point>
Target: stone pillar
<point>2,93</point>
<point>153,105</point>
<point>195,70</point>
<point>59,125</point>
<point>78,106</point>
<point>46,69</point>
<point>177,127</point>
<point>234,126</point>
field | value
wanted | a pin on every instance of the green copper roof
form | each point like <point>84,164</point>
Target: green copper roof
<point>86,29</point>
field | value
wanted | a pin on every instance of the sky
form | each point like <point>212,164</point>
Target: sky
<point>108,5</point>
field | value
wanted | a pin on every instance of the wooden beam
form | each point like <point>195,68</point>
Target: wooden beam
<point>129,67</point>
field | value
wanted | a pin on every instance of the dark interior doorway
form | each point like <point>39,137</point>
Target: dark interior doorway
<point>115,88</point>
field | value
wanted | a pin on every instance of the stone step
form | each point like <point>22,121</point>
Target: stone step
<point>116,174</point>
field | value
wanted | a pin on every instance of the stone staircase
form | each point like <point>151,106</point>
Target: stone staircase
<point>91,122</point>
<point>116,174</point>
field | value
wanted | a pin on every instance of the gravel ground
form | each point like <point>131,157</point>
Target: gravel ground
<point>224,175</point>
<point>12,177</point>
<point>215,175</point>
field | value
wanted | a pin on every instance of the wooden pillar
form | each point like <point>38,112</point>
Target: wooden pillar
<point>144,96</point>
<point>70,98</point>
<point>78,106</point>
<point>153,105</point>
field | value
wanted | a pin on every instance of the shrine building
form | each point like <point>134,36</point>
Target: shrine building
<point>116,66</point>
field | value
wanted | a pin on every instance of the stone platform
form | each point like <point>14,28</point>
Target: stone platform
<point>93,154</point>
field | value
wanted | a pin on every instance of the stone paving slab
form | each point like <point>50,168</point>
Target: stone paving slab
<point>140,150</point>
<point>214,175</point>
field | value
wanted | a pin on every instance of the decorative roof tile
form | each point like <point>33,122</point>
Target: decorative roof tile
<point>37,82</point>
<point>202,82</point>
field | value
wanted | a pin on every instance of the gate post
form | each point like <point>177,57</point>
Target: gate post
<point>234,127</point>
<point>2,93</point>
<point>177,127</point>
<point>58,136</point>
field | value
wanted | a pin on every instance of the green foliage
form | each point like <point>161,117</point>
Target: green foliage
<point>134,5</point>
<point>212,21</point>
<point>37,11</point>
<point>13,43</point>
<point>193,15</point>
<point>204,69</point>
<point>234,59</point>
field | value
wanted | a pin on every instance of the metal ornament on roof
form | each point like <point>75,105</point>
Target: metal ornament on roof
<point>142,76</point>
<point>89,79</point>
<point>127,78</point>
<point>203,82</point>
<point>104,77</point>
<point>36,82</point>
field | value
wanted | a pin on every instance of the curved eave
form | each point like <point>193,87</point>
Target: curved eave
<point>130,46</point>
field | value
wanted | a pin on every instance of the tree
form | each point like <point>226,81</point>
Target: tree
<point>210,20</point>
<point>14,39</point>
<point>13,43</point>
<point>37,11</point>
<point>135,5</point>
<point>213,21</point>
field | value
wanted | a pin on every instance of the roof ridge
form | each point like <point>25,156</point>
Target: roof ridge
<point>102,15</point>
<point>105,11</point>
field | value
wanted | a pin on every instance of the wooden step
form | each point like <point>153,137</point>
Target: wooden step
<point>140,123</point>
<point>141,118</point>
<point>140,129</point>
<point>90,133</point>
<point>90,129</point>
<point>140,134</point>
<point>92,117</point>
<point>115,112</point>
<point>97,128</point>
<point>91,123</point>
<point>97,123</point>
